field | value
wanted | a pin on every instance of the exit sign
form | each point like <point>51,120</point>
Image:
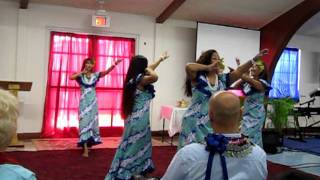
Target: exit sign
<point>101,21</point>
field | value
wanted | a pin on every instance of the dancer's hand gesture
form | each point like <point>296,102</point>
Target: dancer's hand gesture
<point>260,54</point>
<point>117,61</point>
<point>164,56</point>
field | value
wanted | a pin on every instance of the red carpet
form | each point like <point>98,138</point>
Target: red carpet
<point>70,143</point>
<point>69,164</point>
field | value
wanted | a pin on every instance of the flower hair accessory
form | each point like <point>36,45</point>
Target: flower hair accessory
<point>260,64</point>
<point>221,64</point>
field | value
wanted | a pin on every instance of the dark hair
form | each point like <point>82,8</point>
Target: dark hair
<point>85,61</point>
<point>138,64</point>
<point>205,59</point>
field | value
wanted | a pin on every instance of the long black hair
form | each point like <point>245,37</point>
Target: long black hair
<point>205,59</point>
<point>137,66</point>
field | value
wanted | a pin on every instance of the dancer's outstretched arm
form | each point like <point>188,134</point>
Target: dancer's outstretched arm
<point>103,73</point>
<point>149,78</point>
<point>163,57</point>
<point>150,75</point>
<point>253,82</point>
<point>75,75</point>
<point>237,73</point>
<point>193,68</point>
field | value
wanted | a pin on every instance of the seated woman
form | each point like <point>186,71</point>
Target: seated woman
<point>9,170</point>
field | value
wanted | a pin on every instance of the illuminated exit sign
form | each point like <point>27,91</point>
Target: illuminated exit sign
<point>101,21</point>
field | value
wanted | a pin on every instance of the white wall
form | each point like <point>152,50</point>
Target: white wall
<point>179,38</point>
<point>24,37</point>
<point>309,64</point>
<point>8,39</point>
<point>230,42</point>
<point>309,69</point>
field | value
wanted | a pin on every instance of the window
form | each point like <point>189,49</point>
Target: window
<point>286,74</point>
<point>67,52</point>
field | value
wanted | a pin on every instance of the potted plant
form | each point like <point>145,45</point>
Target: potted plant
<point>278,111</point>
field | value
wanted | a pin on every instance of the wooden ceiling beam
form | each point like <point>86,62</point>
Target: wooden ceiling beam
<point>175,4</point>
<point>24,4</point>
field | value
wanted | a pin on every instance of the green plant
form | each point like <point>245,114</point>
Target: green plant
<point>279,111</point>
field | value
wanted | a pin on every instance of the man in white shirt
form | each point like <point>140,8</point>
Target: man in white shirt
<point>244,160</point>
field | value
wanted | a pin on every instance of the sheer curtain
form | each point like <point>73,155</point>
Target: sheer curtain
<point>67,52</point>
<point>285,78</point>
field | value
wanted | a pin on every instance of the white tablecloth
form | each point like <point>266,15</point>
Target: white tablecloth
<point>174,115</point>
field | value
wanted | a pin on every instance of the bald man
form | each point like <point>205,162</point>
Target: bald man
<point>244,160</point>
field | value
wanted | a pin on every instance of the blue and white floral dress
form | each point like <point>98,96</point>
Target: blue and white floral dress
<point>88,111</point>
<point>133,155</point>
<point>254,112</point>
<point>195,123</point>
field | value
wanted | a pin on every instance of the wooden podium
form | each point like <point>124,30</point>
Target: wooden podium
<point>14,87</point>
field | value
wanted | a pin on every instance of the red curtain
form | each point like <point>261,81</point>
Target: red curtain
<point>67,52</point>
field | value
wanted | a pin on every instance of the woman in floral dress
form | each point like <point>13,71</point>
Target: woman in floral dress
<point>133,156</point>
<point>88,108</point>
<point>255,87</point>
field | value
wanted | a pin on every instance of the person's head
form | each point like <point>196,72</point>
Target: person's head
<point>138,65</point>
<point>8,117</point>
<point>225,112</point>
<point>258,70</point>
<point>208,57</point>
<point>88,65</point>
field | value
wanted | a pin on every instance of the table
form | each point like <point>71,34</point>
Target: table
<point>174,115</point>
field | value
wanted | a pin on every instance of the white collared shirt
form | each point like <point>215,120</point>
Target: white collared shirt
<point>190,163</point>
